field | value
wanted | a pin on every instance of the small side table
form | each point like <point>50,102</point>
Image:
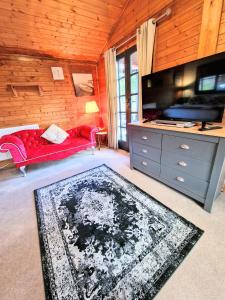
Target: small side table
<point>101,137</point>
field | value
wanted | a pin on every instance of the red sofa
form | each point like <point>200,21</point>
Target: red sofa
<point>28,147</point>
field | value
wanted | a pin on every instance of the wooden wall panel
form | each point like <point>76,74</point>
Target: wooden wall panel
<point>76,29</point>
<point>79,29</point>
<point>221,36</point>
<point>135,14</point>
<point>212,11</point>
<point>58,105</point>
<point>177,37</point>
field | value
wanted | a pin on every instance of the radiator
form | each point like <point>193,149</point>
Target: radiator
<point>4,131</point>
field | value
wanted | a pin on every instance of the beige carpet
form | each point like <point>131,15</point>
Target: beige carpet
<point>201,276</point>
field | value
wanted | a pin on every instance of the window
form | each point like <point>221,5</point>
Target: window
<point>127,91</point>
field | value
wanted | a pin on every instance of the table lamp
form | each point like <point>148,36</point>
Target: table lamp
<point>92,107</point>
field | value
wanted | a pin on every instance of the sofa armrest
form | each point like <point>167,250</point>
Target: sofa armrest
<point>15,146</point>
<point>88,132</point>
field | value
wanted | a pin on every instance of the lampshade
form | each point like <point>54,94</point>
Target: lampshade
<point>91,107</point>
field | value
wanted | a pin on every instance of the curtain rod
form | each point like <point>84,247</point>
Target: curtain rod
<point>167,13</point>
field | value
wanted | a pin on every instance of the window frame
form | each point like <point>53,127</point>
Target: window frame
<point>126,55</point>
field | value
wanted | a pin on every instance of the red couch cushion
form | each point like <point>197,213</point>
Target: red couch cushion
<point>69,143</point>
<point>73,132</point>
<point>32,138</point>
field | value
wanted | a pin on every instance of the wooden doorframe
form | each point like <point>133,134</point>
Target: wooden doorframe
<point>126,54</point>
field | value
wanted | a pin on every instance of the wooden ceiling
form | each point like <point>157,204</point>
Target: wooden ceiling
<point>70,29</point>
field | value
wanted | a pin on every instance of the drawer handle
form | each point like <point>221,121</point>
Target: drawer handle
<point>182,163</point>
<point>144,137</point>
<point>185,147</point>
<point>181,179</point>
<point>144,163</point>
<point>144,151</point>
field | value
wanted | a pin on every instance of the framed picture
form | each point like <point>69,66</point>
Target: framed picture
<point>57,73</point>
<point>83,83</point>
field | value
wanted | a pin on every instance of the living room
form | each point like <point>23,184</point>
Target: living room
<point>112,149</point>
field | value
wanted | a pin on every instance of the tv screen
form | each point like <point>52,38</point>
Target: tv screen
<point>191,92</point>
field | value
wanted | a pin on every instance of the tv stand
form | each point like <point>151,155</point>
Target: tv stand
<point>209,127</point>
<point>186,159</point>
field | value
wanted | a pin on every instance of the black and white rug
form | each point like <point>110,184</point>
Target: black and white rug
<point>102,237</point>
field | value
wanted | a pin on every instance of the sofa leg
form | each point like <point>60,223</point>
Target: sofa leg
<point>92,150</point>
<point>23,171</point>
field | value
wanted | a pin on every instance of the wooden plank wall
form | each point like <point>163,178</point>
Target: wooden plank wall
<point>211,18</point>
<point>58,105</point>
<point>177,37</point>
<point>221,36</point>
<point>177,41</point>
<point>75,29</point>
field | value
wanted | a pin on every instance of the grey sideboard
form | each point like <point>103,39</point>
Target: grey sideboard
<point>187,160</point>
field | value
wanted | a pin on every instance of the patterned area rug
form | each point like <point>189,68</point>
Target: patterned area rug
<point>102,237</point>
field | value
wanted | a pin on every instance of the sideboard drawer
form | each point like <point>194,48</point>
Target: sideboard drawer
<point>146,151</point>
<point>181,179</point>
<point>204,151</point>
<point>194,167</point>
<point>146,165</point>
<point>147,137</point>
<point>189,161</point>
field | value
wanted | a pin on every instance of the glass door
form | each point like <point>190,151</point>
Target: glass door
<point>127,91</point>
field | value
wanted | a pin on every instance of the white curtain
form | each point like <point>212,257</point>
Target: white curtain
<point>111,87</point>
<point>145,49</point>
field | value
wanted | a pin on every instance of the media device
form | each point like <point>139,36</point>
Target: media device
<point>190,92</point>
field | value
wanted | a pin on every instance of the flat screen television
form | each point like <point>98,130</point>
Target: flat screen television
<point>190,92</point>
